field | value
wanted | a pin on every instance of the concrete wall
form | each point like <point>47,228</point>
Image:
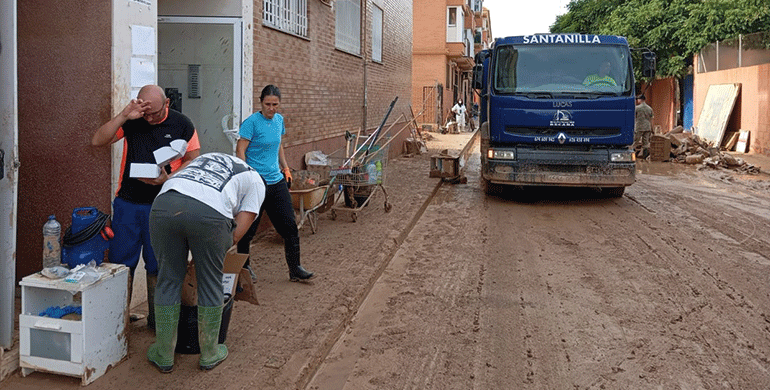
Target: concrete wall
<point>752,108</point>
<point>64,78</point>
<point>323,88</point>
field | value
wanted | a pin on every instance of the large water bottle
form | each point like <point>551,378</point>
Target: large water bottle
<point>51,243</point>
<point>371,173</point>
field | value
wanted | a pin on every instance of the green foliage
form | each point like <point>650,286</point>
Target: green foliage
<point>673,29</point>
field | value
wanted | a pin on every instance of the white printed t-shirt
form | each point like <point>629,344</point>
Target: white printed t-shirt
<point>221,181</point>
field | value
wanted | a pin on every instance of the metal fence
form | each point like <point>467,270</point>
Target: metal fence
<point>741,51</point>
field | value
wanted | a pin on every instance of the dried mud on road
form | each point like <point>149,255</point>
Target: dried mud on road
<point>663,288</point>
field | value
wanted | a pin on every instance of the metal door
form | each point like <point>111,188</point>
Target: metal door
<point>9,168</point>
<point>200,58</point>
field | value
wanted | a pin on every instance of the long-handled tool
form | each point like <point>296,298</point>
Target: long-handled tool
<point>373,137</point>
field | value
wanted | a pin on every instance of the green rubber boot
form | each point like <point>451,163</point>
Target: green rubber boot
<point>161,352</point>
<point>212,353</point>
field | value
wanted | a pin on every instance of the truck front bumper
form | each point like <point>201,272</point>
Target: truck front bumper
<point>557,173</point>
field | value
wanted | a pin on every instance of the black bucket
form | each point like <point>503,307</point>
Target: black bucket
<point>187,334</point>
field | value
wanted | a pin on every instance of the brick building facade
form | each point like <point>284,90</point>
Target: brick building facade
<point>327,91</point>
<point>447,35</point>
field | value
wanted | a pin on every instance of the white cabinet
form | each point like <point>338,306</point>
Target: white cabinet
<point>83,348</point>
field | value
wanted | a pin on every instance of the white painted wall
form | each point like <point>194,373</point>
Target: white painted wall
<point>127,13</point>
<point>230,8</point>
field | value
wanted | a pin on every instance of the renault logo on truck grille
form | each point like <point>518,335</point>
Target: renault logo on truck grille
<point>562,138</point>
<point>562,118</point>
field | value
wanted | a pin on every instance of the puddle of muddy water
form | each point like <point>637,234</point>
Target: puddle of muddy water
<point>663,168</point>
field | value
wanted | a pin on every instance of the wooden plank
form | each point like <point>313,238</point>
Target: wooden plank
<point>9,361</point>
<point>743,141</point>
<point>732,139</point>
<point>712,122</point>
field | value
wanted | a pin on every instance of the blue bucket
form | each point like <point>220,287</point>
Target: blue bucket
<point>89,248</point>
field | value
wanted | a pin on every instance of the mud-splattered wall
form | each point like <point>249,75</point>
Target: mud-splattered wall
<point>64,68</point>
<point>752,108</point>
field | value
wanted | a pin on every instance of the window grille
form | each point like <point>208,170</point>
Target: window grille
<point>376,34</point>
<point>286,15</point>
<point>348,25</point>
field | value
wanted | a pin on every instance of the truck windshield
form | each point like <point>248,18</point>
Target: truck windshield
<point>545,70</point>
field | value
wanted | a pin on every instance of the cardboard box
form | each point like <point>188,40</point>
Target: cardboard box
<point>233,264</point>
<point>660,148</point>
<point>144,171</point>
<point>174,151</point>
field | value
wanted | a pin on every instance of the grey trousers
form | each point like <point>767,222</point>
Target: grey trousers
<point>180,224</point>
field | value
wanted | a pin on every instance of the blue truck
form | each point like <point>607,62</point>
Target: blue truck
<point>558,110</point>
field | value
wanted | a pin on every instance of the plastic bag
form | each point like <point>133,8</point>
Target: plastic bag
<point>316,157</point>
<point>84,274</point>
<point>57,272</point>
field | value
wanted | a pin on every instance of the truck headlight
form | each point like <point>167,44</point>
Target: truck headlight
<point>501,154</point>
<point>628,156</point>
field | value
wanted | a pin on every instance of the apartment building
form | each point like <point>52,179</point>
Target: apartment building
<point>447,35</point>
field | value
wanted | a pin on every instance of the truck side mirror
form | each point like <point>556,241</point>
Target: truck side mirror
<point>478,75</point>
<point>648,64</point>
<point>478,69</point>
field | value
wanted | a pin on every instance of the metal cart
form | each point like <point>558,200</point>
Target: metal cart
<point>361,177</point>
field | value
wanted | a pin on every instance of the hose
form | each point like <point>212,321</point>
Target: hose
<point>86,233</point>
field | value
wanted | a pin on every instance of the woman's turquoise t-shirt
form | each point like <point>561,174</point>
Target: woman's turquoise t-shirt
<point>265,139</point>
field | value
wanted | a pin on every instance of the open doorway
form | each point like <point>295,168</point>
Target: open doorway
<point>199,66</point>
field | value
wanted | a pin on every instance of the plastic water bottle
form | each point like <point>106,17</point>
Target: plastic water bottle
<point>51,243</point>
<point>379,171</point>
<point>371,171</point>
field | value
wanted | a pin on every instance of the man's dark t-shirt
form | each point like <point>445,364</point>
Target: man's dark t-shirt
<point>141,140</point>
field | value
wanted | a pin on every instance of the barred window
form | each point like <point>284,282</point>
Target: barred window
<point>348,25</point>
<point>286,15</point>
<point>376,34</point>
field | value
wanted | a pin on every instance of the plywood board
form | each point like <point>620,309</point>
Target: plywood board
<point>720,100</point>
<point>743,141</point>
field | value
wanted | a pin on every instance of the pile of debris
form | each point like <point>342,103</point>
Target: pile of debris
<point>685,147</point>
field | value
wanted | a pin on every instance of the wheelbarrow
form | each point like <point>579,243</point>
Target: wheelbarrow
<point>309,202</point>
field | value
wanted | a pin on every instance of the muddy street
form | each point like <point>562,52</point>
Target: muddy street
<point>664,288</point>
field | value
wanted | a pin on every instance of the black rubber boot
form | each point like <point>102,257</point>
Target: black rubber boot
<point>296,272</point>
<point>152,280</point>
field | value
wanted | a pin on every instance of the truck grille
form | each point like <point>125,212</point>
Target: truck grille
<point>549,131</point>
<point>555,168</point>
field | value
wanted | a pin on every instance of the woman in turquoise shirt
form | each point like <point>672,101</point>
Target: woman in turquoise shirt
<point>260,146</point>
